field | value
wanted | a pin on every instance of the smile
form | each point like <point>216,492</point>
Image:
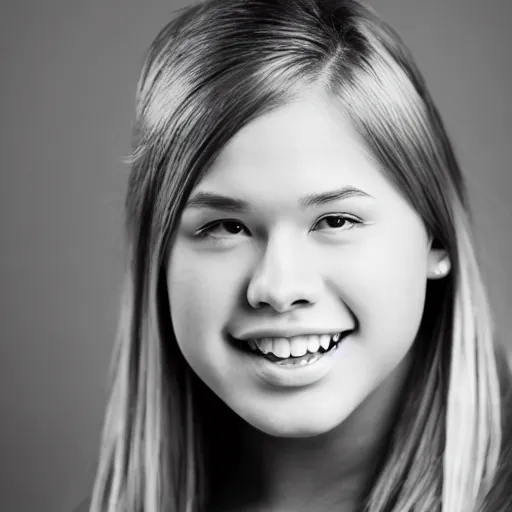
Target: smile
<point>293,351</point>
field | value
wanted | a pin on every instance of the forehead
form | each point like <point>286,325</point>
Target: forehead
<point>301,147</point>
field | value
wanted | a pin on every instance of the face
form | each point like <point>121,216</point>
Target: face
<point>293,236</point>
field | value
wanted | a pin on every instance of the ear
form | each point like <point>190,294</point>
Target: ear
<point>438,263</point>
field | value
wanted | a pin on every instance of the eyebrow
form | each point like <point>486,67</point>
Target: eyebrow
<point>219,202</point>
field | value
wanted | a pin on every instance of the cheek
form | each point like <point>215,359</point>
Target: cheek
<point>384,285</point>
<point>203,293</point>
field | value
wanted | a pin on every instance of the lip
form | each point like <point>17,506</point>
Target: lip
<point>287,333</point>
<point>277,376</point>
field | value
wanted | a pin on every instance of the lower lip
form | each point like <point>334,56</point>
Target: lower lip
<point>294,376</point>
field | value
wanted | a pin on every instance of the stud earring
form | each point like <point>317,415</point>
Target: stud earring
<point>442,269</point>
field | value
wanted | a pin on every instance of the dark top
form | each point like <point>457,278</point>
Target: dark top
<point>499,498</point>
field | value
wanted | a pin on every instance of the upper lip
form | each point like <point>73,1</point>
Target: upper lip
<point>286,333</point>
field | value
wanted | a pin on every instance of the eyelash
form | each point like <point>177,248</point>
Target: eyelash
<point>209,228</point>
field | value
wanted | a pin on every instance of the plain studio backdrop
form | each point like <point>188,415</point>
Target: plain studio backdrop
<point>68,76</point>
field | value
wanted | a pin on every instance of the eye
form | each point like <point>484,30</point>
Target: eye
<point>337,222</point>
<point>223,229</point>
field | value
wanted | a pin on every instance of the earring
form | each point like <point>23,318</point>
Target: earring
<point>443,268</point>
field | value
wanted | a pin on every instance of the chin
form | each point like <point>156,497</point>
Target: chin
<point>294,426</point>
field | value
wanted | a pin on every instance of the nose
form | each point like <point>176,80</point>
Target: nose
<point>284,279</point>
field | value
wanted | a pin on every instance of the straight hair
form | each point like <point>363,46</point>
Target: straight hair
<point>210,71</point>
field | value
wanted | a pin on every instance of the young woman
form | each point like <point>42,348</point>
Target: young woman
<point>303,323</point>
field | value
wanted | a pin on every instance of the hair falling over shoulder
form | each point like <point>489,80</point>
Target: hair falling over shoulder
<point>215,67</point>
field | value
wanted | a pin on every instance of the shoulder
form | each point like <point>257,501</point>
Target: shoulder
<point>499,498</point>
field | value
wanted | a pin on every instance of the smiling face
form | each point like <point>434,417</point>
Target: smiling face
<point>308,237</point>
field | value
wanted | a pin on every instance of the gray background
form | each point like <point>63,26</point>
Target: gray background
<point>68,75</point>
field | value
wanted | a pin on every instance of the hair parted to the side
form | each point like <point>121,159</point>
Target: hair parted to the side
<point>214,68</point>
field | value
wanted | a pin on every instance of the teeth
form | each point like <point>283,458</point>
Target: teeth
<point>265,345</point>
<point>313,344</point>
<point>325,341</point>
<point>297,346</point>
<point>281,347</point>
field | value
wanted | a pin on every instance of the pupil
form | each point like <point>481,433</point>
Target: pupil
<point>335,222</point>
<point>233,227</point>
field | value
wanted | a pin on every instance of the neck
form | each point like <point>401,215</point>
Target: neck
<point>331,471</point>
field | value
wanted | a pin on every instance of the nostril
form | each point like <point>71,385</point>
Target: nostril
<point>281,307</point>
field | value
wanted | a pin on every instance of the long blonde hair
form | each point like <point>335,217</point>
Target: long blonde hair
<point>210,71</point>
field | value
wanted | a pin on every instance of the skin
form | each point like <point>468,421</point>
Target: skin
<point>280,264</point>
